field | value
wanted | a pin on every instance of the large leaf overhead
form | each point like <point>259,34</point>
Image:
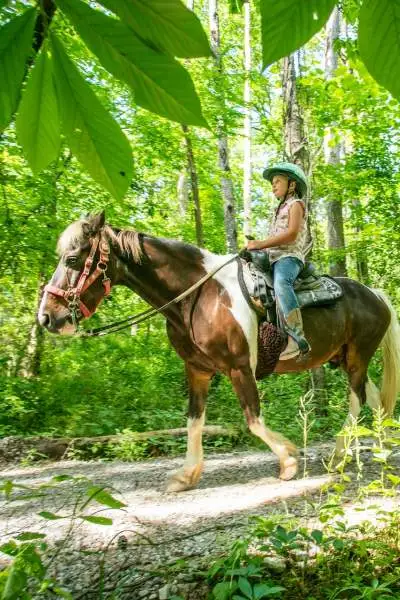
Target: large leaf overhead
<point>15,47</point>
<point>93,135</point>
<point>379,41</point>
<point>159,82</point>
<point>38,125</point>
<point>168,24</point>
<point>288,24</point>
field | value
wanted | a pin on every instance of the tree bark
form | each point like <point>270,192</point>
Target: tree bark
<point>247,213</point>
<point>182,192</point>
<point>194,186</point>
<point>297,151</point>
<point>333,153</point>
<point>30,362</point>
<point>223,149</point>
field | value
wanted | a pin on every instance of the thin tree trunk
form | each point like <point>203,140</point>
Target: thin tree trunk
<point>30,362</point>
<point>223,150</point>
<point>247,224</point>
<point>296,150</point>
<point>182,192</point>
<point>194,186</point>
<point>333,152</point>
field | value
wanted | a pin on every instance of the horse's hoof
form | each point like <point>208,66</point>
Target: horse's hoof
<point>288,469</point>
<point>184,479</point>
<point>176,485</point>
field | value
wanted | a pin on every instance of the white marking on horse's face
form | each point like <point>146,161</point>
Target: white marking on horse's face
<point>245,317</point>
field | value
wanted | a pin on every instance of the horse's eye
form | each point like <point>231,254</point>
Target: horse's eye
<point>71,261</point>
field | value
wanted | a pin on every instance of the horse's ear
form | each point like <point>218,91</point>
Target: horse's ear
<point>94,223</point>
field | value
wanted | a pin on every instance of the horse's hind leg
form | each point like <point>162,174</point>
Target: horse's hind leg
<point>360,390</point>
<point>245,387</point>
<point>188,476</point>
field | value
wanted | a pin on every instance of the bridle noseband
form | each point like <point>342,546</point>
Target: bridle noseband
<point>72,295</point>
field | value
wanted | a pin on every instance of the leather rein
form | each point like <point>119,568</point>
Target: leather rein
<point>77,308</point>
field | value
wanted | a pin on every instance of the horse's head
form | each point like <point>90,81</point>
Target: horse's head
<point>80,280</point>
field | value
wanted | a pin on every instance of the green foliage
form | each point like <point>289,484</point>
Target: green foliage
<point>26,577</point>
<point>154,77</point>
<point>92,134</point>
<point>15,48</point>
<point>38,126</point>
<point>288,25</point>
<point>176,30</point>
<point>379,42</point>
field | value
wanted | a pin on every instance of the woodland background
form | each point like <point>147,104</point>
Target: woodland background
<point>318,107</point>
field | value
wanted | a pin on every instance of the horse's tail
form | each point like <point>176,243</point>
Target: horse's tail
<point>391,358</point>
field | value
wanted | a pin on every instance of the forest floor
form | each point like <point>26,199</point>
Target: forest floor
<point>160,545</point>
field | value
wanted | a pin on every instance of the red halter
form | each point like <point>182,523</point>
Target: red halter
<point>73,295</point>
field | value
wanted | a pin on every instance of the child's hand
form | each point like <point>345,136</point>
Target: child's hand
<point>254,245</point>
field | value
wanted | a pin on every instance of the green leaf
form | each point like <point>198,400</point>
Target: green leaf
<point>286,26</point>
<point>11,548</point>
<point>103,497</point>
<point>38,125</point>
<point>263,590</point>
<point>379,41</point>
<point>245,587</point>
<point>50,516</point>
<point>15,47</point>
<point>30,535</point>
<point>97,520</point>
<point>224,589</point>
<point>93,135</point>
<point>170,26</point>
<point>15,584</point>
<point>159,82</point>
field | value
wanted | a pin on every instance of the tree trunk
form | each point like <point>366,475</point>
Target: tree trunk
<point>247,224</point>
<point>333,152</point>
<point>296,150</point>
<point>223,150</point>
<point>182,192</point>
<point>30,362</point>
<point>194,186</point>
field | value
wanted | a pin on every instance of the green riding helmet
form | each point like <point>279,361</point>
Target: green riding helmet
<point>294,172</point>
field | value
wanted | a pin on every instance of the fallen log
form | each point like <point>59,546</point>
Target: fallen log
<point>16,448</point>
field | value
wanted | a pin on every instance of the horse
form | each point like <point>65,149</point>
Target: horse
<point>214,329</point>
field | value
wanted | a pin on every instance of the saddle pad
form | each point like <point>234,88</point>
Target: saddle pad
<point>324,290</point>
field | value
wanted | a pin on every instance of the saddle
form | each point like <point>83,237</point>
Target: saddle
<point>310,288</point>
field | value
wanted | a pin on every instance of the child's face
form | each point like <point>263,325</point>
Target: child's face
<point>280,186</point>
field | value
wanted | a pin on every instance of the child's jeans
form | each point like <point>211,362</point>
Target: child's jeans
<point>286,271</point>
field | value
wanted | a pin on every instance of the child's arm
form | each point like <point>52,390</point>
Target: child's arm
<point>296,214</point>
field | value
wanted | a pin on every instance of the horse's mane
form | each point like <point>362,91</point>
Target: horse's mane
<point>126,240</point>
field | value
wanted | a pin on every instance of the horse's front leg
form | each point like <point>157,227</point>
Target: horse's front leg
<point>188,476</point>
<point>245,387</point>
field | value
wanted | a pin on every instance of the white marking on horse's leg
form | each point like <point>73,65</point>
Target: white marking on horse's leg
<point>351,419</point>
<point>244,315</point>
<point>283,448</point>
<point>189,475</point>
<point>194,454</point>
<point>373,395</point>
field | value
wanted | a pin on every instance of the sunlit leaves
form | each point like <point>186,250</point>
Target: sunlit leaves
<point>379,41</point>
<point>287,25</point>
<point>159,82</point>
<point>15,47</point>
<point>169,25</point>
<point>38,125</point>
<point>92,134</point>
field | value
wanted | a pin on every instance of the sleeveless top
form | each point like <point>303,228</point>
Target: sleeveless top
<point>280,224</point>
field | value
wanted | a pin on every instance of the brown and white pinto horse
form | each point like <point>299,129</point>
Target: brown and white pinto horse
<point>214,328</point>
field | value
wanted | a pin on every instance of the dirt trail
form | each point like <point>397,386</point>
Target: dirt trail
<point>156,529</point>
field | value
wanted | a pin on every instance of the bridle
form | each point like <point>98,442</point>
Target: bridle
<point>77,308</point>
<point>72,295</point>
